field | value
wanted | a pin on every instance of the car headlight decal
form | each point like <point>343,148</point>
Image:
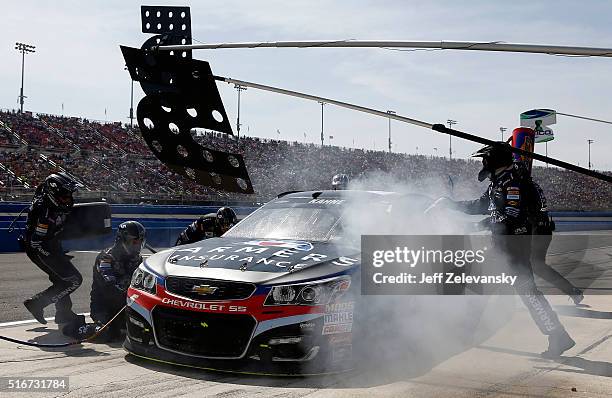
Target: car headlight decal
<point>311,293</point>
<point>143,280</point>
<point>283,294</point>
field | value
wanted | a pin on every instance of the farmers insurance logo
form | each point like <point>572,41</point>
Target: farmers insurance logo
<point>285,244</point>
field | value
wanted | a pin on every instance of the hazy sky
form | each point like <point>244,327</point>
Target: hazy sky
<point>78,63</point>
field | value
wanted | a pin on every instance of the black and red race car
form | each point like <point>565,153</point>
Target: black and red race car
<point>278,293</point>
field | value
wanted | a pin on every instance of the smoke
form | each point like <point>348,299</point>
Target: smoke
<point>405,336</point>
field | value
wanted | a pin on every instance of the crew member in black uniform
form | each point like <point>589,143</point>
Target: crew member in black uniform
<point>208,226</point>
<point>47,214</point>
<point>542,227</point>
<point>112,273</point>
<point>508,199</point>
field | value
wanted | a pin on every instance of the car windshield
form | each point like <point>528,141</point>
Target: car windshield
<point>322,220</point>
<point>296,223</point>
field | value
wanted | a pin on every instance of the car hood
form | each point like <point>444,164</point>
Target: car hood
<point>255,260</point>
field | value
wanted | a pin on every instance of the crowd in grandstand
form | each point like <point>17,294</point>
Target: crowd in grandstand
<point>108,157</point>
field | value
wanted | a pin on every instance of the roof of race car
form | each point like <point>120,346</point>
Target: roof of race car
<point>331,194</point>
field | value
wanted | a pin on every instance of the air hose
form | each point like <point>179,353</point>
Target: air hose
<point>71,343</point>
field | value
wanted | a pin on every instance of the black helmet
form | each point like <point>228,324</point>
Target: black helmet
<point>58,188</point>
<point>226,218</point>
<point>340,181</point>
<point>131,235</point>
<point>493,157</point>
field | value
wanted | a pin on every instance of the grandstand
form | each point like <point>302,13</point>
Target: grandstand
<point>113,162</point>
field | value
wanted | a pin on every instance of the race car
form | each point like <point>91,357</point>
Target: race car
<point>278,293</point>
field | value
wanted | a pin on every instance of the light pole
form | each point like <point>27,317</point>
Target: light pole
<point>23,49</point>
<point>322,136</point>
<point>131,102</point>
<point>590,142</point>
<point>450,138</point>
<point>390,113</point>
<point>239,88</point>
<point>502,130</point>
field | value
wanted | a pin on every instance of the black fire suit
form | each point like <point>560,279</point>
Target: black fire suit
<point>112,273</point>
<point>203,228</point>
<point>508,200</point>
<point>44,248</point>
<point>542,228</point>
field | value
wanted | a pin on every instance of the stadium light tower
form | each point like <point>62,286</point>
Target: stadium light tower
<point>450,138</point>
<point>131,102</point>
<point>23,49</point>
<point>322,136</point>
<point>590,142</point>
<point>390,113</point>
<point>239,88</point>
<point>502,130</point>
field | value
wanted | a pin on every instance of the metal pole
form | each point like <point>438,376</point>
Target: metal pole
<point>238,115</point>
<point>440,128</point>
<point>546,143</point>
<point>590,142</point>
<point>23,49</point>
<point>502,130</point>
<point>22,72</point>
<point>239,88</point>
<point>450,138</point>
<point>444,45</point>
<point>390,113</point>
<point>322,135</point>
<point>132,105</point>
<point>324,100</point>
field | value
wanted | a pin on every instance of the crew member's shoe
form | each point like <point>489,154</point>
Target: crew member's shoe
<point>36,310</point>
<point>558,343</point>
<point>577,295</point>
<point>65,317</point>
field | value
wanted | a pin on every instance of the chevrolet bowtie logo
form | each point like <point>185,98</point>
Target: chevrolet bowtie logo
<point>204,289</point>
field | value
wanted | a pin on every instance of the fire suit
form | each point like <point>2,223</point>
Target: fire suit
<point>44,248</point>
<point>542,228</point>
<point>508,200</point>
<point>203,228</point>
<point>112,273</point>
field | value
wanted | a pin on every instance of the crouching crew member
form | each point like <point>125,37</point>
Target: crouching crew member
<point>208,226</point>
<point>112,273</point>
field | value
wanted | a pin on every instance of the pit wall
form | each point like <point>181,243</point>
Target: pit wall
<point>164,223</point>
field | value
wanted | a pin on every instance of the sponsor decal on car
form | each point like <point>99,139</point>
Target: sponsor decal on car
<point>333,329</point>
<point>283,257</point>
<point>213,307</point>
<point>302,246</point>
<point>338,318</point>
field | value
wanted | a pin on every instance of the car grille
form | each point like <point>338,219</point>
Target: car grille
<point>225,290</point>
<point>201,333</point>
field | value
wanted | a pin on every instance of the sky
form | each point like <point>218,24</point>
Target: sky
<point>78,66</point>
